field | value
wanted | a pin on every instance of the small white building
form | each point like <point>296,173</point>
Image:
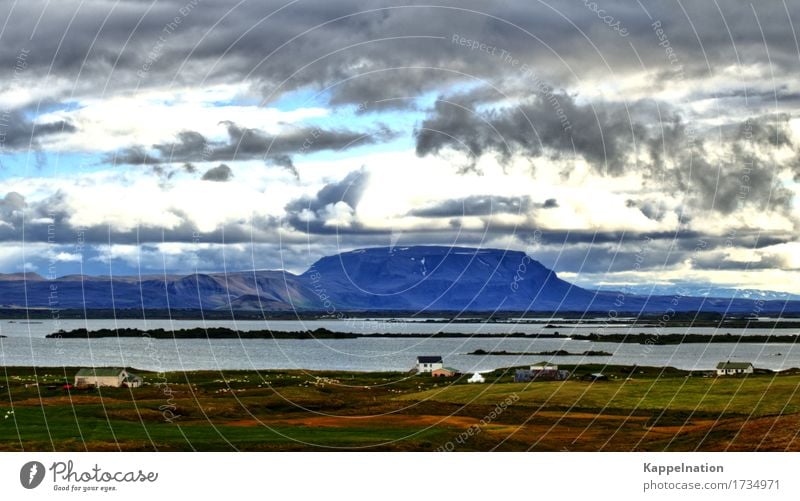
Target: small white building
<point>732,368</point>
<point>429,364</point>
<point>476,378</point>
<point>106,376</point>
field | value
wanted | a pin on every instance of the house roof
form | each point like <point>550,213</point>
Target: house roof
<point>734,365</point>
<point>100,371</point>
<point>429,359</point>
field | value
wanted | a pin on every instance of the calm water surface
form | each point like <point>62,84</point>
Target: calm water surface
<point>25,345</point>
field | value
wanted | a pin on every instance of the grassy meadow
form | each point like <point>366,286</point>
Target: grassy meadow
<point>643,409</point>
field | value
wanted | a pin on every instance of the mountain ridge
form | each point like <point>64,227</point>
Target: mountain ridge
<point>412,278</point>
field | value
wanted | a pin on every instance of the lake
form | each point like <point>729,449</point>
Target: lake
<point>40,328</point>
<point>27,346</point>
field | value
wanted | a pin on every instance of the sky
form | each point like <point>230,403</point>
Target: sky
<point>618,143</point>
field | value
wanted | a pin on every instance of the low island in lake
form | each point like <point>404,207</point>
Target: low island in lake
<point>554,353</point>
<point>661,339</point>
<point>227,333</point>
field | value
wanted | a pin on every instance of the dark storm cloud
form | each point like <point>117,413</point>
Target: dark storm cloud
<point>616,139</point>
<point>605,258</point>
<point>691,241</point>
<point>220,173</point>
<point>21,221</point>
<point>748,173</point>
<point>135,155</point>
<point>544,123</point>
<point>19,133</point>
<point>611,252</point>
<point>247,144</point>
<point>475,205</point>
<point>721,261</point>
<point>10,205</point>
<point>49,220</point>
<point>284,161</point>
<point>565,251</point>
<point>190,145</point>
<point>254,143</point>
<point>651,209</point>
<point>482,205</point>
<point>378,56</point>
<point>376,51</point>
<point>310,214</point>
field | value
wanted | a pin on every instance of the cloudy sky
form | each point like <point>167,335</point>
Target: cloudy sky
<point>616,142</point>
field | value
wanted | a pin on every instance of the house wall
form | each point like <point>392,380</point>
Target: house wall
<point>731,372</point>
<point>544,375</point>
<point>98,381</point>
<point>429,367</point>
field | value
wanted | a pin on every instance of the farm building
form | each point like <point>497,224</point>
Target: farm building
<point>731,368</point>
<point>429,364</point>
<point>544,366</point>
<point>132,381</point>
<point>444,372</point>
<point>106,376</point>
<point>542,371</point>
<point>597,376</point>
<point>545,371</point>
<point>476,378</point>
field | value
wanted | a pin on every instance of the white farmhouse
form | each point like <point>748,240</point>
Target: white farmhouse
<point>106,376</point>
<point>429,364</point>
<point>732,368</point>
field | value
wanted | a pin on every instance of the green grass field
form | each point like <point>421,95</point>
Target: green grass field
<point>757,396</point>
<point>638,409</point>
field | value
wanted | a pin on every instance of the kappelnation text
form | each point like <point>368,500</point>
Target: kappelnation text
<point>661,469</point>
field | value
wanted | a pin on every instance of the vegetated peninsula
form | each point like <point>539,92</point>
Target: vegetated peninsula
<point>226,333</point>
<point>201,333</point>
<point>660,339</point>
<point>553,353</point>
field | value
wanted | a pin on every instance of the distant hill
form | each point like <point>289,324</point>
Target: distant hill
<point>709,290</point>
<point>418,279</point>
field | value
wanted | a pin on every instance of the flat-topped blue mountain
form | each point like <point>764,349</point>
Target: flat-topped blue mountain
<point>417,279</point>
<point>440,278</point>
